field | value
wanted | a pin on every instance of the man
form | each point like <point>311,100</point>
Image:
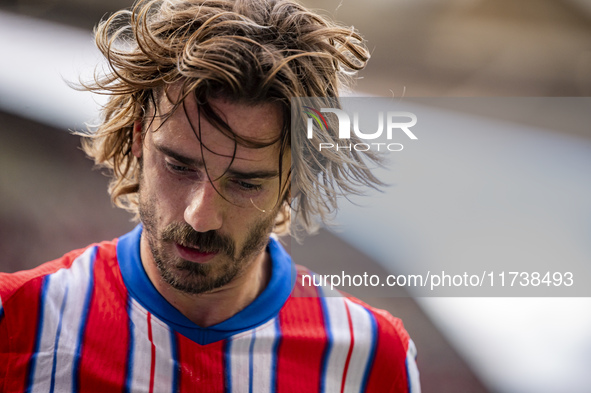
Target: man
<point>199,297</point>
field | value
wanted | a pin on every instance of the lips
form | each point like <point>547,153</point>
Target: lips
<point>193,254</point>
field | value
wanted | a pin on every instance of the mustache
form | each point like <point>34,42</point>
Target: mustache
<point>210,241</point>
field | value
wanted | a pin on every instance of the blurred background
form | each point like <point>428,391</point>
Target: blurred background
<point>52,200</point>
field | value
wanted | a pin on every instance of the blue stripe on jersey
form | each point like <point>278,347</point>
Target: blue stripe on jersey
<point>57,340</point>
<point>130,349</point>
<point>83,319</point>
<point>33,360</point>
<point>329,343</point>
<point>274,355</point>
<point>251,362</point>
<point>1,311</point>
<point>407,375</point>
<point>176,368</point>
<point>228,365</point>
<point>372,352</point>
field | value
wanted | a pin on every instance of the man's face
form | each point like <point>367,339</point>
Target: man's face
<point>206,215</point>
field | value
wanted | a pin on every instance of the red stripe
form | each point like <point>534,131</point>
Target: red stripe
<point>23,320</point>
<point>350,347</point>
<point>201,367</point>
<point>153,353</point>
<point>303,340</point>
<point>106,339</point>
<point>389,366</point>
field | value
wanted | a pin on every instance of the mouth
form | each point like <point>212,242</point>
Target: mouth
<point>194,254</point>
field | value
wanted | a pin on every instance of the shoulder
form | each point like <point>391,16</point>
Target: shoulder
<point>29,282</point>
<point>388,325</point>
<point>358,333</point>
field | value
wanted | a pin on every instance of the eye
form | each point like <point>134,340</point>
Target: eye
<point>246,186</point>
<point>177,168</point>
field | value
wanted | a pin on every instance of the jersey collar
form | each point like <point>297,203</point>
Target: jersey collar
<point>265,307</point>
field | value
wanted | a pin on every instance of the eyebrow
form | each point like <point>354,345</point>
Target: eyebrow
<point>198,163</point>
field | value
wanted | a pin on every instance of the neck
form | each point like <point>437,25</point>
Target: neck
<point>211,308</point>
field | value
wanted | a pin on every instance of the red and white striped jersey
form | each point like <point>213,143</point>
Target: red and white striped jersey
<point>92,321</point>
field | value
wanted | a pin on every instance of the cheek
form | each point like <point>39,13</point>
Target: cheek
<point>243,223</point>
<point>163,194</point>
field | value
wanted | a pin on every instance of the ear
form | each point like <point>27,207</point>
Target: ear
<point>137,143</point>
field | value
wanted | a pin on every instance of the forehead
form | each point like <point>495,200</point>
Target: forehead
<point>260,122</point>
<point>187,128</point>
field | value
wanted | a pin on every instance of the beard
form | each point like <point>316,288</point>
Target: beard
<point>195,278</point>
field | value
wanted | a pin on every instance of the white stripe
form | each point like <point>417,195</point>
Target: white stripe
<point>142,349</point>
<point>164,362</point>
<point>239,361</point>
<point>75,280</point>
<point>412,369</point>
<point>1,305</point>
<point>264,363</point>
<point>50,314</point>
<point>79,279</point>
<point>363,341</point>
<point>341,341</point>
<point>263,368</point>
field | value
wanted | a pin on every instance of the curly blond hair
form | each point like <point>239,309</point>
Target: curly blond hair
<point>248,51</point>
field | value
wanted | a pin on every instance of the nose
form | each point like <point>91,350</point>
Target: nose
<point>204,208</point>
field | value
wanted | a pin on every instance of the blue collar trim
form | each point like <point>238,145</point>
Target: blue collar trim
<point>265,307</point>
